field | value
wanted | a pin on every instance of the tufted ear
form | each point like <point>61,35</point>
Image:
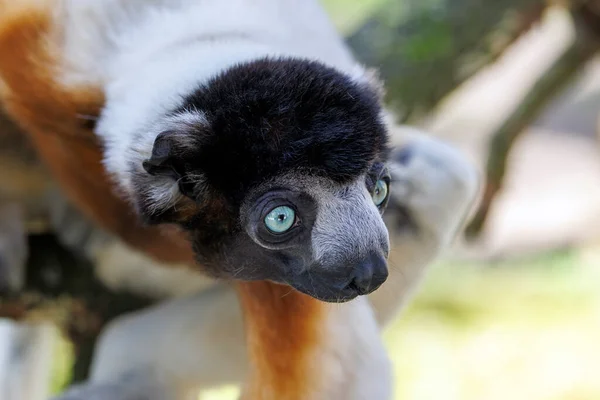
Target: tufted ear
<point>164,188</point>
<point>169,159</point>
<point>163,161</point>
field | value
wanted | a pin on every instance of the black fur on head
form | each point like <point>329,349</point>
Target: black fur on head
<point>257,121</point>
<point>269,116</point>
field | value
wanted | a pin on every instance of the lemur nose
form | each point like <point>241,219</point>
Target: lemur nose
<point>369,274</point>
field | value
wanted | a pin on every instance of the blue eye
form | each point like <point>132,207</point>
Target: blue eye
<point>280,219</point>
<point>380,193</point>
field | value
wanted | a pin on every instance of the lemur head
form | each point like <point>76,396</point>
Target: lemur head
<point>276,168</point>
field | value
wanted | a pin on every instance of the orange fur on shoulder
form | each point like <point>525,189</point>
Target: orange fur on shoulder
<point>284,331</point>
<point>283,326</point>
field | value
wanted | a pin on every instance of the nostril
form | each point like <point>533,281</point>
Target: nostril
<point>369,274</point>
<point>355,288</point>
<point>362,279</point>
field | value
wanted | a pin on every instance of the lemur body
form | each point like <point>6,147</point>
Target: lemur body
<point>218,123</point>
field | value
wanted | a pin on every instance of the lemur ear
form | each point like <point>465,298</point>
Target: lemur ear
<point>170,153</point>
<point>163,160</point>
<point>164,189</point>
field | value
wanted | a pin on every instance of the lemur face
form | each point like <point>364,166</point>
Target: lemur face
<point>277,170</point>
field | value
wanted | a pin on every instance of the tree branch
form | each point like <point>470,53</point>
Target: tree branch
<point>583,47</point>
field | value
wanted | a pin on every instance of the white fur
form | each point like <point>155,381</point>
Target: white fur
<point>123,269</point>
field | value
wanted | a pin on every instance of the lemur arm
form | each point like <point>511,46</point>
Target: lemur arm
<point>199,342</point>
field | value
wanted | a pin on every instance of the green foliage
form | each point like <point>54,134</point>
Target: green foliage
<point>349,15</point>
<point>426,48</point>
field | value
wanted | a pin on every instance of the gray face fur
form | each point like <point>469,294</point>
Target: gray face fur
<point>348,226</point>
<point>338,249</point>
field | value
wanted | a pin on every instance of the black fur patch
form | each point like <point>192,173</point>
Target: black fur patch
<point>273,115</point>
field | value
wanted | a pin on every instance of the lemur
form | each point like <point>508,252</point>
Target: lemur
<point>240,140</point>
